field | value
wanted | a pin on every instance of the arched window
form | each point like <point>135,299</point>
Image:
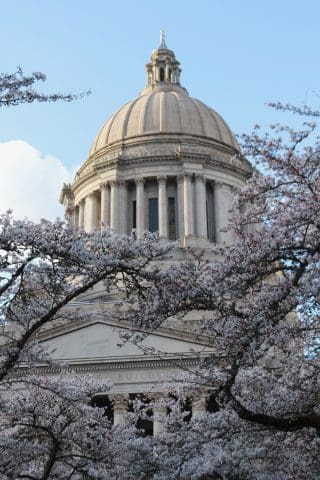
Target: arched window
<point>161,74</point>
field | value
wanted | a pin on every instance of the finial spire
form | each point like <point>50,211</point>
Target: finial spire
<point>162,40</point>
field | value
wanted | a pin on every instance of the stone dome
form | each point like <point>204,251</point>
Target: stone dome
<point>164,162</point>
<point>164,109</point>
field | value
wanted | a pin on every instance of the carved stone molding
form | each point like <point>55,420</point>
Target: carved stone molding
<point>119,366</point>
<point>199,178</point>
<point>162,178</point>
<point>148,151</point>
<point>93,195</point>
<point>179,179</point>
<point>120,403</point>
<point>140,180</point>
<point>187,176</point>
<point>114,183</point>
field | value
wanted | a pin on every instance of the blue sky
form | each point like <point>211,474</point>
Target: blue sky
<point>235,56</point>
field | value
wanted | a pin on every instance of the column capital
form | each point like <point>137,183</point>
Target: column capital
<point>139,180</point>
<point>179,179</point>
<point>69,211</point>
<point>162,178</point>
<point>104,186</point>
<point>114,183</point>
<point>217,183</point>
<point>199,177</point>
<point>120,402</point>
<point>187,176</point>
<point>92,194</point>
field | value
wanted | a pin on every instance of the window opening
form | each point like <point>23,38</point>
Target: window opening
<point>153,215</point>
<point>134,214</point>
<point>172,218</point>
<point>161,74</point>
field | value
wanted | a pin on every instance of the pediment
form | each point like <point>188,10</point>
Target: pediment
<point>100,340</point>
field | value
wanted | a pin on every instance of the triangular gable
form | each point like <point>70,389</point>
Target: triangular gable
<point>100,340</point>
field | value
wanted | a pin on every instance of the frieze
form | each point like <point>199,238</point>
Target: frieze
<point>148,151</point>
<point>218,159</point>
<point>120,366</point>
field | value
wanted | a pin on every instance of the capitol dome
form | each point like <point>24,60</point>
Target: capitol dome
<point>168,109</point>
<point>163,162</point>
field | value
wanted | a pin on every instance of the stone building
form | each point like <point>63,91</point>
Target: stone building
<point>162,162</point>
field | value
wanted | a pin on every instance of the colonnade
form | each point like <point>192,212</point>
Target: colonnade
<point>202,207</point>
<point>159,405</point>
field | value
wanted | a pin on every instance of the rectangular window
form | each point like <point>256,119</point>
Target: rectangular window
<point>134,214</point>
<point>172,218</point>
<point>153,215</point>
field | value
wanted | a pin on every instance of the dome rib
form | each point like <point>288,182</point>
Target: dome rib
<point>126,118</point>
<point>200,116</point>
<point>151,123</point>
<point>213,117</point>
<point>227,128</point>
<point>175,96</point>
<point>163,119</point>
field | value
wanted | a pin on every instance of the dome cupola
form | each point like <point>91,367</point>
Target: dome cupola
<point>163,66</point>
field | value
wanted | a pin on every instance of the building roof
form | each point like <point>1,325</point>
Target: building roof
<point>164,107</point>
<point>164,111</point>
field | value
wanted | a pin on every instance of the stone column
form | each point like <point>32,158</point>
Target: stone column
<point>120,408</point>
<point>91,210</point>
<point>140,206</point>
<point>201,207</point>
<point>222,203</point>
<point>159,414</point>
<point>68,214</point>
<point>198,405</point>
<point>81,213</point>
<point>114,205</point>
<point>123,220</point>
<point>180,207</point>
<point>105,204</point>
<point>188,206</point>
<point>76,216</point>
<point>163,206</point>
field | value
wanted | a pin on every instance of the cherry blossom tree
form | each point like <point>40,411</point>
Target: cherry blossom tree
<point>261,313</point>
<point>48,428</point>
<point>17,88</point>
<point>259,300</point>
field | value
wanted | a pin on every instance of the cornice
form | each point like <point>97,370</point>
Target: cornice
<point>191,360</point>
<point>172,333</point>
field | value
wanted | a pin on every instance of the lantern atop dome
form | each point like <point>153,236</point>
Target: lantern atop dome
<point>163,67</point>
